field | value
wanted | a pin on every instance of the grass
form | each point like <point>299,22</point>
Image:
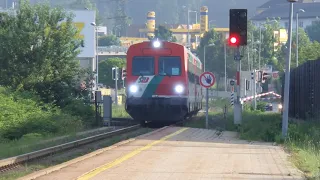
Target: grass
<point>61,158</point>
<point>36,141</point>
<point>119,112</point>
<point>32,143</point>
<point>303,140</point>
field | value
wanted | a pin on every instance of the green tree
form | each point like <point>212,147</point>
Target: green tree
<point>109,41</point>
<point>313,31</point>
<point>164,34</point>
<point>105,70</point>
<point>39,53</point>
<point>215,55</point>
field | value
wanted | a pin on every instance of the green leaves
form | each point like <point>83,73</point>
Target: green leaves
<point>105,70</point>
<point>164,34</point>
<point>38,51</point>
<point>110,40</point>
<point>314,31</point>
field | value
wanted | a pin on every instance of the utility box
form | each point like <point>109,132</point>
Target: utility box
<point>107,110</point>
<point>98,97</point>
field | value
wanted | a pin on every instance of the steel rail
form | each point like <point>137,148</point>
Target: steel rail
<point>8,162</point>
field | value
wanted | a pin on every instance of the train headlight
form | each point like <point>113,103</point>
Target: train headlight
<point>156,44</point>
<point>178,88</point>
<point>133,88</point>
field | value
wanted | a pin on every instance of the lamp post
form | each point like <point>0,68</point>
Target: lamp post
<point>287,75</point>
<point>97,54</point>
<point>204,55</point>
<point>297,37</point>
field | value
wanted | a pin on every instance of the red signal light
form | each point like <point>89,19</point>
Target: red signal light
<point>233,40</point>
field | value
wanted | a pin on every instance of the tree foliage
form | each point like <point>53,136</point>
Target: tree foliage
<point>214,55</point>
<point>110,40</point>
<point>164,34</point>
<point>38,52</point>
<point>313,31</point>
<point>105,71</point>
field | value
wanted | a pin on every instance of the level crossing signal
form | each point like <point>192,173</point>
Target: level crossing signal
<point>238,24</point>
<point>123,74</point>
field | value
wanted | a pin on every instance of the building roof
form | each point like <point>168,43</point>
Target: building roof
<point>272,3</point>
<point>282,11</point>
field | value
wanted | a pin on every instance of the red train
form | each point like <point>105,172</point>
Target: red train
<point>162,82</point>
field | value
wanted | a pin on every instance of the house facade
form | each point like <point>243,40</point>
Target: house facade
<point>279,10</point>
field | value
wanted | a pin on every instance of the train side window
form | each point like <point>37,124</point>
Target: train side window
<point>170,66</point>
<point>143,66</point>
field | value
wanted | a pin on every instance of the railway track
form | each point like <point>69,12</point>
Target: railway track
<point>11,163</point>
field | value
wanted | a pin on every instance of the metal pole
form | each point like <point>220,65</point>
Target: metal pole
<point>207,107</point>
<point>260,46</point>
<point>225,66</point>
<point>116,86</point>
<point>287,79</point>
<point>196,17</point>
<point>237,104</point>
<point>97,58</point>
<point>254,90</point>
<point>204,58</point>
<point>188,39</point>
<point>297,41</point>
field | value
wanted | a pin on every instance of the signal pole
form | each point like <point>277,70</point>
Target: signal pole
<point>238,105</point>
<point>287,76</point>
<point>238,37</point>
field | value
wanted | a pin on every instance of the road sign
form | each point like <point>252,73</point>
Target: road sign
<point>232,82</point>
<point>207,79</point>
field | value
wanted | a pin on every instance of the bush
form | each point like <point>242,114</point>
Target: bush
<point>78,108</point>
<point>260,126</point>
<point>23,113</point>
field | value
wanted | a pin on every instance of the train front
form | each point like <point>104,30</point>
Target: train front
<point>156,82</point>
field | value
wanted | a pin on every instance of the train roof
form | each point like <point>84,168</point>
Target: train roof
<point>186,49</point>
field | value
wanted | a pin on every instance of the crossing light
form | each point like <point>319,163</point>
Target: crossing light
<point>124,74</point>
<point>115,73</point>
<point>233,41</point>
<point>238,23</point>
<point>265,76</point>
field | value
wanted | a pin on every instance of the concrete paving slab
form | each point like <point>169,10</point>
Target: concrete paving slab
<point>191,154</point>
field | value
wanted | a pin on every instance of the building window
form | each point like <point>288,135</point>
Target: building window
<point>300,24</point>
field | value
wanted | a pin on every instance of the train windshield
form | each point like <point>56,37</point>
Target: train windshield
<point>169,66</point>
<point>143,66</point>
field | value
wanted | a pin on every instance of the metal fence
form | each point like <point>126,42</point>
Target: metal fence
<point>304,98</point>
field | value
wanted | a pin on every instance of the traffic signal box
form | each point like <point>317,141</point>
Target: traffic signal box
<point>124,74</point>
<point>263,76</point>
<point>238,23</point>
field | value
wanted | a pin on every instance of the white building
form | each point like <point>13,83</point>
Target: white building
<point>275,9</point>
<point>102,30</point>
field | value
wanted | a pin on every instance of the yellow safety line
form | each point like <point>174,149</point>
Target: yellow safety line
<point>102,168</point>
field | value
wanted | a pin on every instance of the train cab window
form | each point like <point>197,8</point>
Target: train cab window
<point>143,66</point>
<point>169,66</point>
